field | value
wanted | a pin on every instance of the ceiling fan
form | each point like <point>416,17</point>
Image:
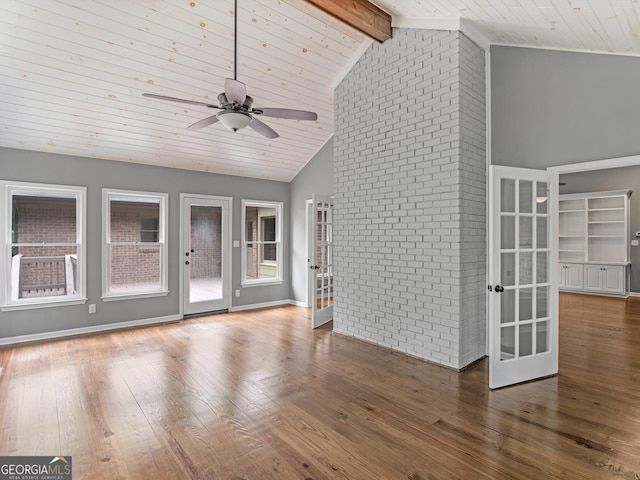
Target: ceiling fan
<point>236,111</point>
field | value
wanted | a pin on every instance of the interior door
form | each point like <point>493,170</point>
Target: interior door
<point>206,256</point>
<point>523,293</point>
<point>321,267</point>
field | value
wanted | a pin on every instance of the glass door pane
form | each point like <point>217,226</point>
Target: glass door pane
<point>322,271</point>
<point>205,254</point>
<point>524,269</point>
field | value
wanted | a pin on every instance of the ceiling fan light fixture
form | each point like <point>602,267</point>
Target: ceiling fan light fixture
<point>234,120</point>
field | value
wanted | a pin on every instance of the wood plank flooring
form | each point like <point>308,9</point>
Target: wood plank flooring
<point>259,395</point>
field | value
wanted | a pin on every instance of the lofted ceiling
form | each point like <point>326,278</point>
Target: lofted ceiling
<point>72,72</point>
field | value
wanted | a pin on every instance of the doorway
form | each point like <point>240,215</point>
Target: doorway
<point>205,254</point>
<point>320,287</point>
<point>501,337</point>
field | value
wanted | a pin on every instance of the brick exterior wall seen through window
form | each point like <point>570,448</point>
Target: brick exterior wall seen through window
<point>43,220</point>
<point>206,242</point>
<point>132,264</point>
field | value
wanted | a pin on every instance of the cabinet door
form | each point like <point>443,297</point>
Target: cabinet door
<point>593,277</point>
<point>573,276</point>
<point>562,276</point>
<point>613,279</point>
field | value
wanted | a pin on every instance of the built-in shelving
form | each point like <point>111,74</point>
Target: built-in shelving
<point>594,230</point>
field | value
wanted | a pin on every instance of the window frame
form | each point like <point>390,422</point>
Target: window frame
<point>8,189</point>
<point>278,279</point>
<point>109,194</point>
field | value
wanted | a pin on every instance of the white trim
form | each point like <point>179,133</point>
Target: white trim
<point>255,306</point>
<point>630,161</point>
<point>308,247</point>
<point>427,23</point>
<point>346,68</point>
<point>135,296</point>
<point>261,283</point>
<point>87,330</point>
<point>297,303</point>
<point>279,207</point>
<point>49,303</point>
<point>8,188</point>
<point>568,50</point>
<point>468,28</point>
<point>487,143</point>
<point>475,34</point>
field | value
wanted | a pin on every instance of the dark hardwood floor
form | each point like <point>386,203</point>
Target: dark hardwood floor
<point>259,395</point>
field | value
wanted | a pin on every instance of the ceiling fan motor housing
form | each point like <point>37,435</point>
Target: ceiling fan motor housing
<point>225,103</point>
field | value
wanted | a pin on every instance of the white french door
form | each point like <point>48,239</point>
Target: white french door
<point>523,290</point>
<point>206,254</point>
<point>321,265</point>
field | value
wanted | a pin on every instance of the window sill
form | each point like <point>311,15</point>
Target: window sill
<point>134,296</point>
<point>261,283</point>
<point>30,306</point>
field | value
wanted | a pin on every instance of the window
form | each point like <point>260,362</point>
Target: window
<point>149,229</point>
<point>268,229</point>
<point>43,263</point>
<point>262,234</point>
<point>134,246</point>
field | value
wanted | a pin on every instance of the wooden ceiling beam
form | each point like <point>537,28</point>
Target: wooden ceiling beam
<point>362,15</point>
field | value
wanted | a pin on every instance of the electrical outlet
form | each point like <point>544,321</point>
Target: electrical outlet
<point>92,308</point>
<point>237,293</point>
<point>396,324</point>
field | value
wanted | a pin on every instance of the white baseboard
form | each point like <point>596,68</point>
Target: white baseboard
<point>36,337</point>
<point>298,303</point>
<point>85,330</point>
<point>254,306</point>
<point>634,294</point>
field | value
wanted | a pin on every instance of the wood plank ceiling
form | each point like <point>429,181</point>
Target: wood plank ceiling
<point>72,73</point>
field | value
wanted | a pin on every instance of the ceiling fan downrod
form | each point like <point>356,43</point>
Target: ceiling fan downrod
<point>235,39</point>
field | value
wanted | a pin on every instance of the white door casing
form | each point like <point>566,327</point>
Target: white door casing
<point>523,290</point>
<point>205,250</point>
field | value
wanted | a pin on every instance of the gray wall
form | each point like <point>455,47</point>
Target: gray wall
<point>409,173</point>
<point>555,108</point>
<point>613,179</point>
<point>315,177</point>
<point>28,166</point>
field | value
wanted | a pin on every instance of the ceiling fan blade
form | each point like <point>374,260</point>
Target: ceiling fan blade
<point>181,100</point>
<point>287,113</point>
<point>263,129</point>
<point>235,91</point>
<point>203,123</point>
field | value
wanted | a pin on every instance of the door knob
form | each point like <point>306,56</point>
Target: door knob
<point>499,288</point>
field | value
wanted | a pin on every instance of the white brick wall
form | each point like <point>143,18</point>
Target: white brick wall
<point>409,172</point>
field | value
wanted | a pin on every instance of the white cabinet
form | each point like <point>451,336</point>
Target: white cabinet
<point>593,277</point>
<point>571,276</point>
<point>594,234</point>
<point>604,278</point>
